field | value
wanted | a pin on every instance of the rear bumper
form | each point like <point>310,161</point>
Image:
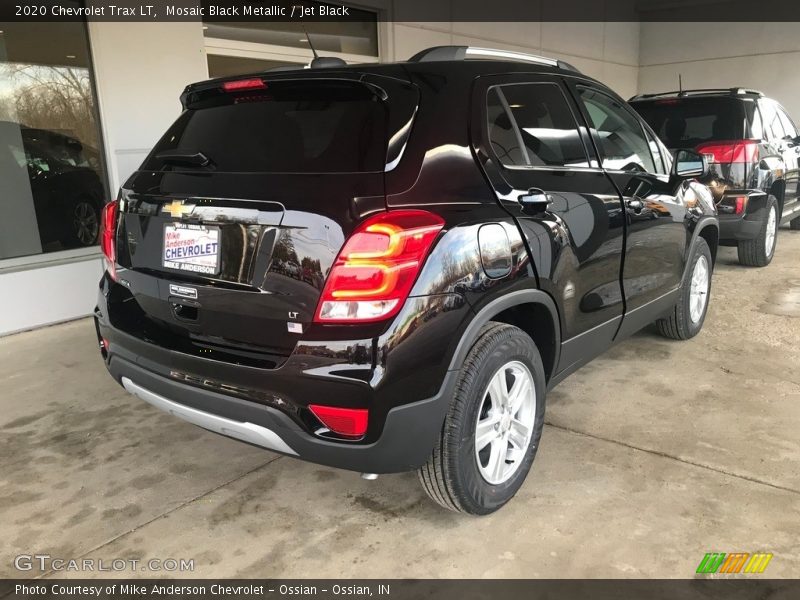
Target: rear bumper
<point>405,382</point>
<point>408,434</point>
<point>733,228</point>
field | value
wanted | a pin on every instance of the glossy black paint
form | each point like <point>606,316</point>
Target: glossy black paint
<point>561,274</point>
<point>775,171</point>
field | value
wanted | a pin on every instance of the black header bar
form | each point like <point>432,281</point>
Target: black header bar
<point>399,589</point>
<point>403,10</point>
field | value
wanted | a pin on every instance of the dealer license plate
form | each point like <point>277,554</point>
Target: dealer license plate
<point>190,247</point>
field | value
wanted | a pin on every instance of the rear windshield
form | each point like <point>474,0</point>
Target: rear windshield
<point>308,127</point>
<point>687,122</point>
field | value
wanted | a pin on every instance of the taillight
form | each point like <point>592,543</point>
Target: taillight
<point>349,422</point>
<point>108,230</point>
<point>243,84</point>
<point>733,151</point>
<point>376,268</point>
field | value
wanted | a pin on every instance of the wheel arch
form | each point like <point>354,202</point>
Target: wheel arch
<point>708,229</point>
<point>778,190</point>
<point>710,233</point>
<point>533,311</point>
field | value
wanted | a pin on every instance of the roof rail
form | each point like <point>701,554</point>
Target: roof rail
<point>748,91</point>
<point>442,53</point>
<point>736,91</point>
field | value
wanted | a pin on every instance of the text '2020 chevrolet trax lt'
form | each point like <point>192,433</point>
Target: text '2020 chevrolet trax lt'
<point>383,268</point>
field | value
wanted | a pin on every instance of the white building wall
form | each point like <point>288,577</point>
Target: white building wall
<point>141,70</point>
<point>763,56</point>
<point>48,294</point>
<point>608,52</point>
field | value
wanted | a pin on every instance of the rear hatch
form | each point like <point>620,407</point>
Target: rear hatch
<point>230,227</point>
<point>717,126</point>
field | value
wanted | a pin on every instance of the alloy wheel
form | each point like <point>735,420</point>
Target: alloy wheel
<point>505,422</point>
<point>698,294</point>
<point>772,231</point>
<point>84,221</point>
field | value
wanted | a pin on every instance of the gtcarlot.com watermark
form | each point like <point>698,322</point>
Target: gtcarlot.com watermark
<point>46,563</point>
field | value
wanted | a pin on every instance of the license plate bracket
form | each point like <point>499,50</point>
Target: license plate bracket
<point>191,247</point>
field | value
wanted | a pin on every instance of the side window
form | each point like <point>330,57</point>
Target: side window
<point>754,118</point>
<point>622,140</point>
<point>36,160</point>
<point>788,127</point>
<point>531,124</point>
<point>772,123</point>
<point>656,152</point>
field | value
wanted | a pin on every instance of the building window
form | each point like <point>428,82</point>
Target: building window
<point>51,166</point>
<point>235,48</point>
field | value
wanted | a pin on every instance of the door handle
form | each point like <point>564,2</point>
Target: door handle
<point>635,204</point>
<point>535,200</point>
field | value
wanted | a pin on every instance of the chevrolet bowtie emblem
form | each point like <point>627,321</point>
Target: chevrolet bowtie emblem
<point>177,208</point>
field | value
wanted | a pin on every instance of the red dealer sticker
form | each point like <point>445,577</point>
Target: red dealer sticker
<point>192,248</point>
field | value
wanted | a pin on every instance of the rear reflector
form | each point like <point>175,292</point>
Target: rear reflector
<point>377,267</point>
<point>350,422</point>
<point>108,229</point>
<point>727,152</point>
<point>732,205</point>
<point>243,84</point>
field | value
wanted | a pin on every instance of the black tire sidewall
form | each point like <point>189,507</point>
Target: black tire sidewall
<point>700,248</point>
<point>476,494</point>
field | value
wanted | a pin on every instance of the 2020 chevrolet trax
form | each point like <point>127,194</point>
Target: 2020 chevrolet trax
<point>385,267</point>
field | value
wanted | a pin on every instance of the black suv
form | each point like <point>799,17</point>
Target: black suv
<point>753,148</point>
<point>384,267</point>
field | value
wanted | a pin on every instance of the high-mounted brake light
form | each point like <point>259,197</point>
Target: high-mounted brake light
<point>376,268</point>
<point>243,84</point>
<point>727,152</point>
<point>350,422</point>
<point>108,228</point>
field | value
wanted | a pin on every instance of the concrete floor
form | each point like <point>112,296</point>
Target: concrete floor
<point>653,455</point>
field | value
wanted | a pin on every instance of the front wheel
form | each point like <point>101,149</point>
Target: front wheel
<point>759,251</point>
<point>493,426</point>
<point>686,319</point>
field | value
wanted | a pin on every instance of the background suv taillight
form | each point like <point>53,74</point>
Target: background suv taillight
<point>376,268</point>
<point>730,152</point>
<point>108,230</point>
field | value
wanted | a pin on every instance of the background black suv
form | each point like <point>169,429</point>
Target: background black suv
<point>384,267</point>
<point>753,149</point>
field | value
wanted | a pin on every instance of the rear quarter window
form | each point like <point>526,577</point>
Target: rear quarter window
<point>532,125</point>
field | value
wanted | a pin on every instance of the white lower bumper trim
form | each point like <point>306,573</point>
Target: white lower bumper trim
<point>247,432</point>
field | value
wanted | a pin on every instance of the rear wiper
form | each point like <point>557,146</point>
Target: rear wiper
<point>192,159</point>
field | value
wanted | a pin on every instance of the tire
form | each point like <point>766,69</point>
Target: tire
<point>686,320</point>
<point>83,224</point>
<point>455,475</point>
<point>795,224</point>
<point>759,251</point>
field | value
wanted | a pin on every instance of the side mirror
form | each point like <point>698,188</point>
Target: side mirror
<point>689,164</point>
